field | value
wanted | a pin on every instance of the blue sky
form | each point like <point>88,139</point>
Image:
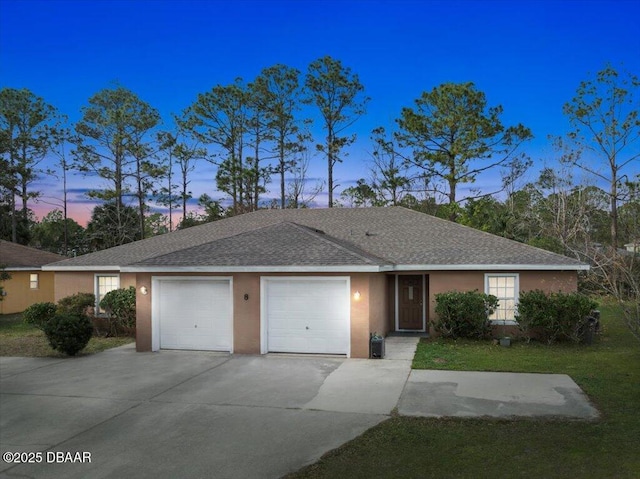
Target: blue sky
<point>528,56</point>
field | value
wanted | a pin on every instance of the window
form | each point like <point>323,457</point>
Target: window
<point>505,288</point>
<point>104,284</point>
<point>33,280</point>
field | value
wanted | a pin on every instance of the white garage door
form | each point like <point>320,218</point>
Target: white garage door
<point>193,314</point>
<point>306,315</point>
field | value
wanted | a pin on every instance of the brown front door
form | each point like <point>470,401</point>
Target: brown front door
<point>410,310</point>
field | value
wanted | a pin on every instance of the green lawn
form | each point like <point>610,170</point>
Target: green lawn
<point>20,339</point>
<point>609,372</point>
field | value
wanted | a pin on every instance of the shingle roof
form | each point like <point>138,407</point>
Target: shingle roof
<point>394,235</point>
<point>16,256</point>
<point>282,244</point>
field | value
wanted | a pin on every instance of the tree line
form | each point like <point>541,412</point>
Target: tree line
<point>259,133</point>
<point>251,132</point>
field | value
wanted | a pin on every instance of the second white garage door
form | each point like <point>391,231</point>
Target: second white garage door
<point>192,313</point>
<point>306,315</point>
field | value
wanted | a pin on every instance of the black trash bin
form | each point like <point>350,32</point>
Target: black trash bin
<point>592,328</point>
<point>596,315</point>
<point>376,347</point>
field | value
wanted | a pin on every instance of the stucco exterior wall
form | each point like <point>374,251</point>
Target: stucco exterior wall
<point>72,282</point>
<point>360,316</point>
<point>373,312</point>
<point>443,281</point>
<point>378,305</point>
<point>127,279</point>
<point>19,294</point>
<point>246,313</point>
<point>548,281</point>
<point>143,312</point>
<point>368,314</point>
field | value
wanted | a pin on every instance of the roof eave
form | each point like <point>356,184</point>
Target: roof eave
<point>322,269</point>
<point>486,267</point>
<point>253,269</point>
<point>24,268</point>
<point>81,268</point>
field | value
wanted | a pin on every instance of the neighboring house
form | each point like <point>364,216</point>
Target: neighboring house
<point>308,280</point>
<point>633,247</point>
<point>28,283</point>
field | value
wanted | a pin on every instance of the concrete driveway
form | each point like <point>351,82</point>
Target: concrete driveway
<point>202,415</point>
<point>181,414</point>
<point>431,393</point>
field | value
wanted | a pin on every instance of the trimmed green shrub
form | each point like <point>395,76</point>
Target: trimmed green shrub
<point>68,333</point>
<point>535,315</point>
<point>120,305</point>
<point>554,317</point>
<point>464,315</point>
<point>77,304</point>
<point>572,311</point>
<point>38,314</point>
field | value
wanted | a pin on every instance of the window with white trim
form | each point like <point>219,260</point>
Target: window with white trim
<point>104,284</point>
<point>505,288</point>
<point>34,281</point>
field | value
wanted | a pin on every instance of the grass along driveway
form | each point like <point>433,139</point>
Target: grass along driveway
<point>608,372</point>
<point>20,339</point>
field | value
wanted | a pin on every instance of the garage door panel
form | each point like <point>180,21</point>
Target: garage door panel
<point>307,315</point>
<point>194,314</point>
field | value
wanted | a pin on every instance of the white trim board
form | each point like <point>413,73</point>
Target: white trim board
<point>324,269</point>
<point>484,267</point>
<point>251,269</point>
<point>115,269</point>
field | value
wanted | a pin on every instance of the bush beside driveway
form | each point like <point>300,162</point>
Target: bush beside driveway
<point>18,339</point>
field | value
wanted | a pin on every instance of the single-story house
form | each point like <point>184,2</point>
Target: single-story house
<point>28,283</point>
<point>308,280</point>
